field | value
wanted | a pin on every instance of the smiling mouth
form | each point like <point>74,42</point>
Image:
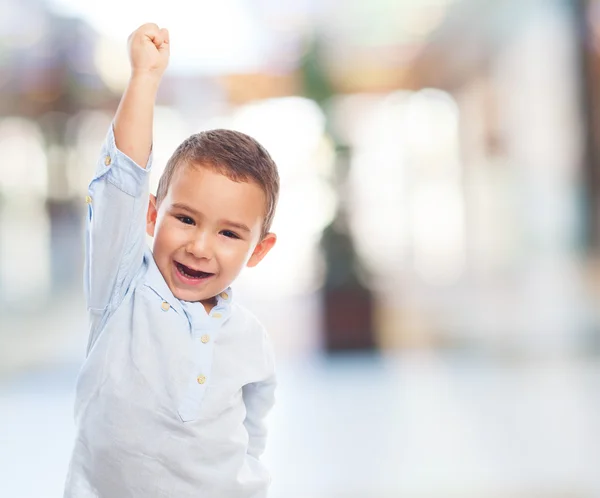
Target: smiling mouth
<point>188,272</point>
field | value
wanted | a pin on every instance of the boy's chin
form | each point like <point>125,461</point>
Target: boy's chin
<point>192,297</point>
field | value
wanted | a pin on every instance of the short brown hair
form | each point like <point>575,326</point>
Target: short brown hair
<point>233,154</point>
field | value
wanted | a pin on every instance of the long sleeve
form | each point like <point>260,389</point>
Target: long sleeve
<point>115,230</point>
<point>259,398</point>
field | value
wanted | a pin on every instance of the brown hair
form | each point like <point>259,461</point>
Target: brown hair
<point>233,154</point>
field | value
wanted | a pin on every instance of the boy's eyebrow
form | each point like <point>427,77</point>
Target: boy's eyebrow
<point>185,207</point>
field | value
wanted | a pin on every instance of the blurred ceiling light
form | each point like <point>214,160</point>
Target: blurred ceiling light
<point>112,63</point>
<point>290,128</point>
<point>208,37</point>
<point>430,128</point>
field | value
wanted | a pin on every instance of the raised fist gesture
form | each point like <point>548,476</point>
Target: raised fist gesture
<point>149,50</point>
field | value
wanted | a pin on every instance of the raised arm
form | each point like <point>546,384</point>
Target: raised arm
<point>149,56</point>
<point>118,194</point>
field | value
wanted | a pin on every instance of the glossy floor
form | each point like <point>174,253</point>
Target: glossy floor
<point>359,426</point>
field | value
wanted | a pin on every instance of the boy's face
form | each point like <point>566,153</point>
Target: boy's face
<point>206,229</point>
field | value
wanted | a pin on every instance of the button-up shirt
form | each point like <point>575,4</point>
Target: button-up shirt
<point>171,400</point>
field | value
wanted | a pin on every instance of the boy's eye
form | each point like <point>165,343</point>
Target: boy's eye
<point>230,234</point>
<point>185,219</point>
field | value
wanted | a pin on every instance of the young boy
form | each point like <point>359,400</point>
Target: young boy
<point>178,378</point>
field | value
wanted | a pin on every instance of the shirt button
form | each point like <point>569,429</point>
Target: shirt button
<point>201,379</point>
<point>165,306</point>
<point>88,199</point>
<point>205,338</point>
<point>217,315</point>
<point>107,160</point>
<point>224,295</point>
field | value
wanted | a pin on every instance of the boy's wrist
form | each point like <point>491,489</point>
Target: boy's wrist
<point>148,79</point>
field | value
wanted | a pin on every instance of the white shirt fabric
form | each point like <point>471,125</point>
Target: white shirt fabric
<point>171,401</point>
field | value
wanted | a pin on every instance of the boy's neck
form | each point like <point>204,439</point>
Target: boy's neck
<point>209,304</point>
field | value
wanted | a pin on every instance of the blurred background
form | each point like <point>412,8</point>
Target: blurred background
<point>433,297</point>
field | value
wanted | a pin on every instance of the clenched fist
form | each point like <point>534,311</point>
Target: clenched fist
<point>149,50</point>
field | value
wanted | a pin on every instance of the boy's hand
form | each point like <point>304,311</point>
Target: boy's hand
<point>149,50</point>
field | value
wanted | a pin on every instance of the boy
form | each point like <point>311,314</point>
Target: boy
<point>172,397</point>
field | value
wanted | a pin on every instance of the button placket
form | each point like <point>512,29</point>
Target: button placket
<point>204,331</point>
<point>199,378</point>
<point>202,344</point>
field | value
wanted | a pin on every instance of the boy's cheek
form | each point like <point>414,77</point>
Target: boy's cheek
<point>164,228</point>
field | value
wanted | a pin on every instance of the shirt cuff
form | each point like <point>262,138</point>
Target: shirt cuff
<point>123,171</point>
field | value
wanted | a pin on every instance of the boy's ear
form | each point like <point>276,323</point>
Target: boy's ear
<point>151,216</point>
<point>261,249</point>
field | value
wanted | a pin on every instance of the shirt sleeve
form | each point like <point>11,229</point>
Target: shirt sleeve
<point>259,398</point>
<point>115,227</point>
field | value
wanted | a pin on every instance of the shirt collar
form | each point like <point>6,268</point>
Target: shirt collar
<point>157,283</point>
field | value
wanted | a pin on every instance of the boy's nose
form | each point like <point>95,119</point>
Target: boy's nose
<point>201,246</point>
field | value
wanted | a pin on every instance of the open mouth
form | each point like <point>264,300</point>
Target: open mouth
<point>191,274</point>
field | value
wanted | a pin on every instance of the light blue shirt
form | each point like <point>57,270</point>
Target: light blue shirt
<point>171,401</point>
